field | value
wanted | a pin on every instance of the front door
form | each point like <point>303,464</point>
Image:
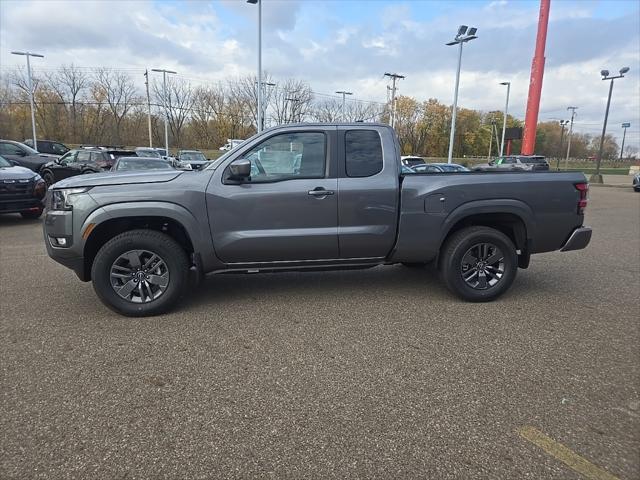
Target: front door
<point>286,211</point>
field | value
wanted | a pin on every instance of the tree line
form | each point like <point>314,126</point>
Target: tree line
<point>103,106</point>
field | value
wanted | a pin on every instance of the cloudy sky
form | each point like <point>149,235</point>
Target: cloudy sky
<point>349,44</point>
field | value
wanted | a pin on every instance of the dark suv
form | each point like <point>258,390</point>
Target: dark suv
<point>23,155</point>
<point>81,161</point>
<point>50,147</point>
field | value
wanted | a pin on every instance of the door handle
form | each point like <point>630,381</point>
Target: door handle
<point>320,192</point>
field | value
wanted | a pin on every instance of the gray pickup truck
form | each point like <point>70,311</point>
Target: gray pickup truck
<point>306,197</point>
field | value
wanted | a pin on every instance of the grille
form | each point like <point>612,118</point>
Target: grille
<point>15,189</point>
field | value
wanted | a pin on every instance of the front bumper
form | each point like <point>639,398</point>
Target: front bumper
<point>578,239</point>
<point>59,224</point>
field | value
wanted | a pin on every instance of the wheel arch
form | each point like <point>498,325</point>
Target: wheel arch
<point>513,218</point>
<point>107,222</point>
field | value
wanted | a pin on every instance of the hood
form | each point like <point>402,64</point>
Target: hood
<point>16,173</point>
<point>117,178</point>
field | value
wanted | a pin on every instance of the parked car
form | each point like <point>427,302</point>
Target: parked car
<point>636,182</point>
<point>530,163</point>
<point>21,190</point>
<point>141,164</point>
<point>439,168</point>
<point>231,144</point>
<point>50,147</point>
<point>82,161</point>
<point>141,237</point>
<point>23,155</point>
<point>195,158</point>
<point>404,169</point>
<point>412,160</point>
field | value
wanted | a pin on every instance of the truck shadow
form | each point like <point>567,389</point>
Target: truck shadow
<point>383,280</point>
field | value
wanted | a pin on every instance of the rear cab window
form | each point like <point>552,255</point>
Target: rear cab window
<point>363,153</point>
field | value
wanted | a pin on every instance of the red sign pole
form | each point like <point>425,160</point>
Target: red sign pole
<point>535,84</point>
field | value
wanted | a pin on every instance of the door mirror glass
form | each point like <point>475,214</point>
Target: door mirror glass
<point>240,169</point>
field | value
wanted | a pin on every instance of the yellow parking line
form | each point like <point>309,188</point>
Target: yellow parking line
<point>562,453</point>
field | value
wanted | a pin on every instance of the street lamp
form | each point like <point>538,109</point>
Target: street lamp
<point>344,94</point>
<point>624,135</point>
<point>259,122</point>
<point>166,108</point>
<point>465,34</point>
<point>506,109</point>
<point>596,177</point>
<point>30,86</point>
<point>261,102</point>
<point>563,123</point>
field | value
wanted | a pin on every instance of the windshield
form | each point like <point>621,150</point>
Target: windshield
<point>142,164</point>
<point>5,163</point>
<point>189,156</point>
<point>148,153</point>
<point>28,149</point>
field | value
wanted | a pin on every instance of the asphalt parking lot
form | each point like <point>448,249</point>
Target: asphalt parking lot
<point>360,374</point>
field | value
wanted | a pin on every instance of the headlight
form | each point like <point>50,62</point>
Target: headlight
<point>61,199</point>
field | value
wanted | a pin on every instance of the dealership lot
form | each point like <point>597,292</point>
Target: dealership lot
<point>376,374</point>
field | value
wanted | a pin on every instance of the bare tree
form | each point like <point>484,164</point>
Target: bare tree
<point>70,84</point>
<point>291,101</point>
<point>179,103</point>
<point>119,93</point>
<point>245,92</point>
<point>329,110</point>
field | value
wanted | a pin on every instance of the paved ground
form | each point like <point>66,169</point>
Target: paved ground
<point>371,374</point>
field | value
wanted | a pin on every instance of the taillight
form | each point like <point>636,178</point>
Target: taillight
<point>583,190</point>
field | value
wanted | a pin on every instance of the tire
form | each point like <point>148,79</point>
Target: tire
<point>48,177</point>
<point>113,269</point>
<point>463,256</point>
<point>31,215</point>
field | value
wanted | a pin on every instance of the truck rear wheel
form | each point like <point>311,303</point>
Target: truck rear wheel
<point>140,273</point>
<point>479,263</point>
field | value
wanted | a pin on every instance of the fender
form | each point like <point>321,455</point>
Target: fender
<point>197,231</point>
<point>511,206</point>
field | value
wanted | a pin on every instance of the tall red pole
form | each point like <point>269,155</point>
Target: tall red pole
<point>535,84</point>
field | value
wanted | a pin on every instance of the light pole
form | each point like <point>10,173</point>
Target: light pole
<point>259,122</point>
<point>624,134</point>
<point>394,77</point>
<point>596,177</point>
<point>344,95</point>
<point>563,123</point>
<point>166,107</point>
<point>30,87</point>
<point>260,94</point>
<point>504,121</point>
<point>465,34</point>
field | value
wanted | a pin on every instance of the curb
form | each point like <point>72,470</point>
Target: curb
<point>609,185</point>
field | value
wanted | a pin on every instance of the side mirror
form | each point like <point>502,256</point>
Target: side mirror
<point>21,153</point>
<point>14,163</point>
<point>240,169</point>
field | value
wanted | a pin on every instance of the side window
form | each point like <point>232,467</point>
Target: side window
<point>95,157</point>
<point>363,153</point>
<point>288,156</point>
<point>509,161</point>
<point>9,149</point>
<point>68,158</point>
<point>83,157</point>
<point>58,149</point>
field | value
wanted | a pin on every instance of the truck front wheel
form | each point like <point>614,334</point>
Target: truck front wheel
<point>140,273</point>
<point>479,263</point>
